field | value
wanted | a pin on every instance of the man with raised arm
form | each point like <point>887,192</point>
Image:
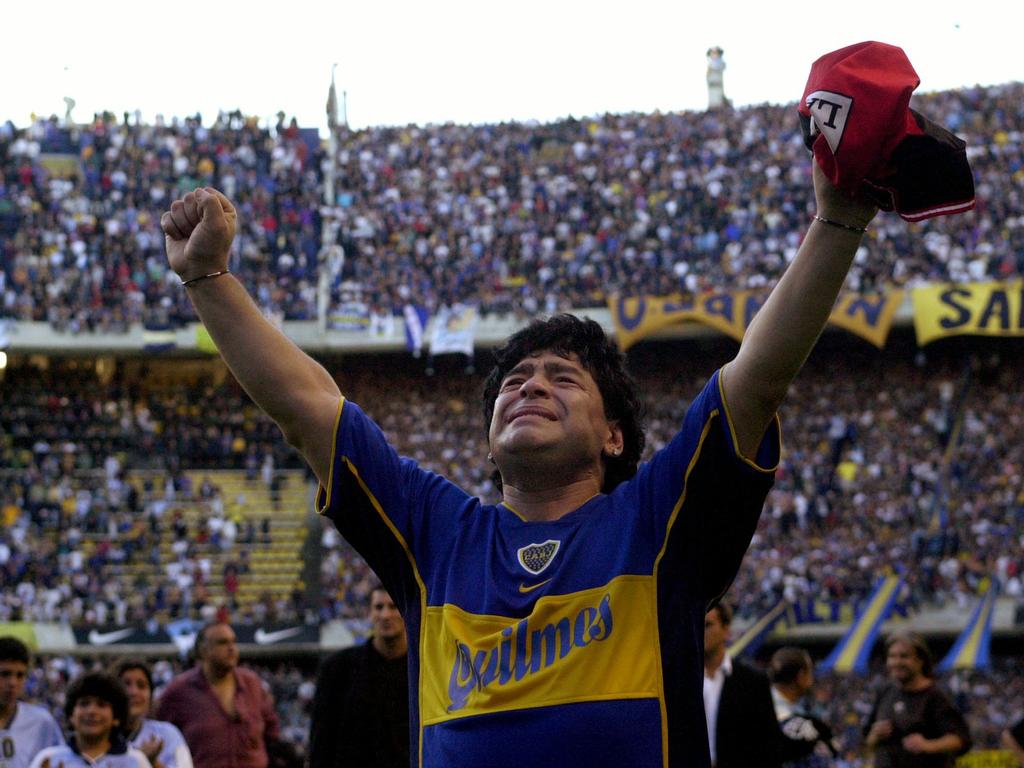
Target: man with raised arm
<point>564,625</point>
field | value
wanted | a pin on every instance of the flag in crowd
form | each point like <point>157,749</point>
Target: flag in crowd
<point>454,330</point>
<point>971,649</point>
<point>753,638</point>
<point>854,649</point>
<point>416,318</point>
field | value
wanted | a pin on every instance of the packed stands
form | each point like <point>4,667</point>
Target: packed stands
<point>140,490</point>
<point>513,217</point>
<point>122,506</point>
<point>880,447</point>
<point>80,239</point>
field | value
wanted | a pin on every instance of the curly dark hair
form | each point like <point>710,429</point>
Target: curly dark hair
<point>564,335</point>
<point>104,687</point>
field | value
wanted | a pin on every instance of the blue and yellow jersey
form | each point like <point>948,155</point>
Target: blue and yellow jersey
<point>575,642</point>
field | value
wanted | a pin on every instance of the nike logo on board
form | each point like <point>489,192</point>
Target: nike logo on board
<point>105,638</point>
<point>266,638</point>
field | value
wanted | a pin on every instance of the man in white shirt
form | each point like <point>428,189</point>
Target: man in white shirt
<point>742,728</point>
<point>807,740</point>
<point>717,666</point>
<point>25,729</point>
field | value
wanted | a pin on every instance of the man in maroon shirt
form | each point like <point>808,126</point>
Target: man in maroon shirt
<point>225,713</point>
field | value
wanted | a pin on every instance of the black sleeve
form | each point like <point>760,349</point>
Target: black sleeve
<point>769,733</point>
<point>1018,733</point>
<point>872,718</point>
<point>332,683</point>
<point>949,720</point>
<point>761,724</point>
<point>801,736</point>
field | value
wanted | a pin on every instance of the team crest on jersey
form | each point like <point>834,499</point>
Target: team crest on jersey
<point>536,557</point>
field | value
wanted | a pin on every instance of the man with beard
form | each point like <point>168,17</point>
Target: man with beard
<point>913,724</point>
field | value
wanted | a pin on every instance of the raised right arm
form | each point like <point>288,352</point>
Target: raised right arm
<point>291,387</point>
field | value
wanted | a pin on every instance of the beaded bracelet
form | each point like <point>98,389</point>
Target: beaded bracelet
<point>840,224</point>
<point>187,283</point>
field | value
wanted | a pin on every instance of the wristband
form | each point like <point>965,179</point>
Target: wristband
<point>187,283</point>
<point>849,227</point>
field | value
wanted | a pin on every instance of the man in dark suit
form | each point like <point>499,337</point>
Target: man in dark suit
<point>361,706</point>
<point>743,731</point>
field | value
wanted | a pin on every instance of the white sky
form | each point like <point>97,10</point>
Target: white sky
<point>469,60</point>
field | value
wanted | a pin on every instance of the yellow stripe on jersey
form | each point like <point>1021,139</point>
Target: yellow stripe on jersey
<point>323,494</point>
<point>586,646</point>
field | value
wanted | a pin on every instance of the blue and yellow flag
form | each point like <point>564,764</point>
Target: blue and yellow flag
<point>853,651</point>
<point>754,637</point>
<point>971,649</point>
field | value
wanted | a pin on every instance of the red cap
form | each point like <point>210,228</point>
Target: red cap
<point>856,110</point>
<point>858,123</point>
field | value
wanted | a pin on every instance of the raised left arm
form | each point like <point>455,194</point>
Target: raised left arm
<point>785,329</point>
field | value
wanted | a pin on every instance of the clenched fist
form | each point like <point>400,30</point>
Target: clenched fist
<point>198,232</point>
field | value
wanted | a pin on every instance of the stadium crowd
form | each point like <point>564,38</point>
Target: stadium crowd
<point>865,476</point>
<point>511,218</point>
<point>74,521</point>
<point>80,241</point>
<point>291,686</point>
<point>896,457</point>
<point>991,700</point>
<point>870,471</point>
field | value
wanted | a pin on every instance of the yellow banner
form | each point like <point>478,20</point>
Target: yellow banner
<point>968,309</point>
<point>637,318</point>
<point>585,646</point>
<point>987,758</point>
<point>867,316</point>
<point>204,341</point>
<point>23,630</point>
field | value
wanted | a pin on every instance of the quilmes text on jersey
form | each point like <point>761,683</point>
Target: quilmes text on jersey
<point>524,651</point>
<point>598,643</point>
